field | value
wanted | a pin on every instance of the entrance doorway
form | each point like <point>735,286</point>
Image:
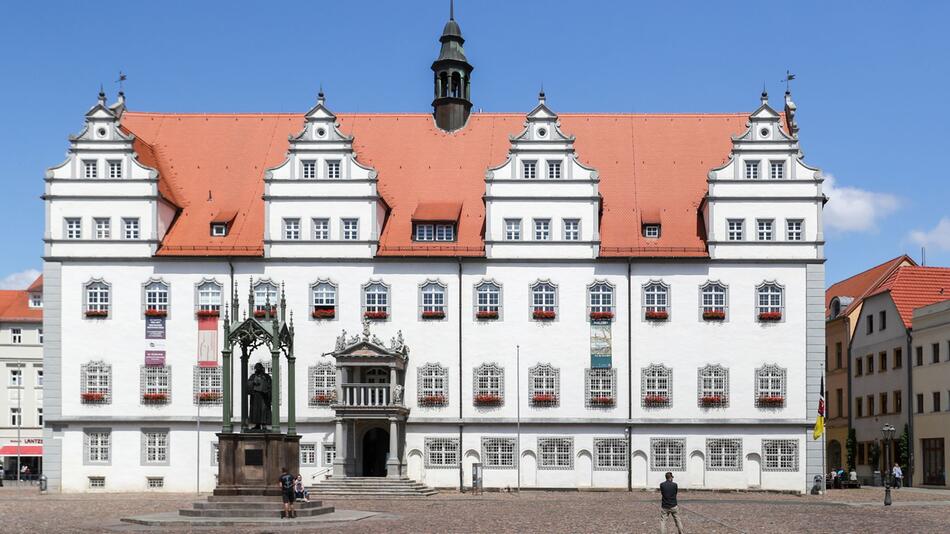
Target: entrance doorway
<point>375,450</point>
<point>934,472</point>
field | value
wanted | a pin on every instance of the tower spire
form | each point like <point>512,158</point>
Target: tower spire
<point>452,81</point>
<point>451,9</point>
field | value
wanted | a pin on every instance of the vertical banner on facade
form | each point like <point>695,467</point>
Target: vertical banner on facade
<point>601,345</point>
<point>208,341</point>
<point>154,328</point>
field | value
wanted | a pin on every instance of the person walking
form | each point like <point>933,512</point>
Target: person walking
<point>898,475</point>
<point>286,483</point>
<point>668,505</point>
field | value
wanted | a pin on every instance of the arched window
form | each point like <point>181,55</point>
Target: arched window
<point>156,298</point>
<point>770,301</point>
<point>376,300</point>
<point>456,85</point>
<point>770,386</point>
<point>713,305</point>
<point>487,300</point>
<point>713,386</point>
<point>322,384</point>
<point>209,296</point>
<point>95,383</point>
<point>656,386</point>
<point>488,388</point>
<point>265,293</point>
<point>323,299</point>
<point>433,382</point>
<point>600,300</point>
<point>656,301</point>
<point>544,385</point>
<point>444,84</point>
<point>98,299</point>
<point>544,300</point>
<point>432,300</point>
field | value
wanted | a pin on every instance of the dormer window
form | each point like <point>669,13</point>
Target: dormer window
<point>777,170</point>
<point>530,170</point>
<point>309,170</point>
<point>752,170</point>
<point>333,170</point>
<point>219,229</point>
<point>115,169</point>
<point>554,170</point>
<point>434,232</point>
<point>90,169</point>
<point>36,300</point>
<point>651,231</point>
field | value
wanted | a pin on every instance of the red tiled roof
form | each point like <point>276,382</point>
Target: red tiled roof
<point>913,286</point>
<point>856,286</point>
<point>437,211</point>
<point>649,165</point>
<point>37,284</point>
<point>15,307</point>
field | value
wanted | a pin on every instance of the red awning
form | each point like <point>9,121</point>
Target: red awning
<point>25,450</point>
<point>437,211</point>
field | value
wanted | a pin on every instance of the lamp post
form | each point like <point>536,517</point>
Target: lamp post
<point>887,432</point>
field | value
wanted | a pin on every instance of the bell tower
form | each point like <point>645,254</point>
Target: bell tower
<point>452,79</point>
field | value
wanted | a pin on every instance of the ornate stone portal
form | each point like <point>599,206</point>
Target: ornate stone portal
<point>250,461</point>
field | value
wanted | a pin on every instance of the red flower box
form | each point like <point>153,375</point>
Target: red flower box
<point>543,315</point>
<point>375,315</point>
<point>432,400</point>
<point>486,315</point>
<point>712,400</point>
<point>154,312</point>
<point>264,312</point>
<point>93,397</point>
<point>154,398</point>
<point>602,401</point>
<point>324,313</point>
<point>209,396</point>
<point>208,313</point>
<point>657,315</point>
<point>771,401</point>
<point>602,315</point>
<point>434,314</point>
<point>714,316</point>
<point>543,399</point>
<point>770,317</point>
<point>97,313</point>
<point>656,400</point>
<point>487,399</point>
<point>324,398</point>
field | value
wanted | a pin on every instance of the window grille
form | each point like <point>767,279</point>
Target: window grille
<point>323,298</point>
<point>752,170</point>
<point>309,169</point>
<point>713,301</point>
<point>656,300</point>
<point>667,454</point>
<point>73,228</point>
<point>432,300</point>
<point>308,454</point>
<point>489,385</point>
<point>498,453</point>
<point>265,294</point>
<point>544,384</point>
<point>442,452</point>
<point>207,385</point>
<point>713,386</point>
<point>601,388</point>
<point>329,453</point>
<point>512,229</point>
<point>321,229</point>
<point>425,232</point>
<point>333,169</point>
<point>529,170</point>
<point>794,230</point>
<point>96,383</point>
<point>376,300</point>
<point>445,232</point>
<point>103,228</point>
<point>723,454</point>
<point>97,482</point>
<point>543,300</point>
<point>777,170</point>
<point>651,231</point>
<point>600,298</point>
<point>572,229</point>
<point>351,229</point>
<point>542,229</point>
<point>155,447</point>
<point>487,300</point>
<point>322,384</point>
<point>735,230</point>
<point>115,169</point>
<point>554,170</point>
<point>765,232</point>
<point>657,386</point>
<point>292,229</point>
<point>555,453</point>
<point>90,169</point>
<point>130,228</point>
<point>610,454</point>
<point>209,296</point>
<point>770,387</point>
<point>155,482</point>
<point>155,384</point>
<point>433,385</point>
<point>769,301</point>
<point>98,298</point>
<point>98,445</point>
<point>156,297</point>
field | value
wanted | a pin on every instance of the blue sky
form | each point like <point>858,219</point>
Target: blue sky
<point>872,79</point>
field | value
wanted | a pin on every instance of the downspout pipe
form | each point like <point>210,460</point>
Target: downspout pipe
<point>911,399</point>
<point>460,373</point>
<point>629,428</point>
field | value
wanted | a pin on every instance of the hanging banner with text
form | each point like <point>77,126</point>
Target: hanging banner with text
<point>208,341</point>
<point>154,328</point>
<point>601,345</point>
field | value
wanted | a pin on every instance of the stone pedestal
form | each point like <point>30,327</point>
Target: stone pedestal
<point>250,463</point>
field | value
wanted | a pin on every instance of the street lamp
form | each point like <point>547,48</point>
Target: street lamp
<point>887,432</point>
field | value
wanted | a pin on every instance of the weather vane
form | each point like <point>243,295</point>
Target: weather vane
<point>122,78</point>
<point>788,79</point>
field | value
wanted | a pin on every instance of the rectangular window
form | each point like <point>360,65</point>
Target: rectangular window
<point>610,454</point>
<point>155,384</point>
<point>920,403</point>
<point>130,228</point>
<point>98,446</point>
<point>292,229</point>
<point>601,387</point>
<point>351,229</point>
<point>870,324</point>
<point>735,230</point>
<point>542,229</point>
<point>839,353</point>
<point>724,454</point>
<point>103,228</point>
<point>219,229</point>
<point>898,401</point>
<point>572,229</point>
<point>155,447</point>
<point>554,170</point>
<point>869,364</point>
<point>308,454</point>
<point>870,403</point>
<point>936,401</point>
<point>935,353</point>
<point>115,169</point>
<point>777,170</point>
<point>779,455</point>
<point>16,336</point>
<point>555,453</point>
<point>445,232</point>
<point>206,383</point>
<point>39,372</point>
<point>333,169</point>
<point>95,383</point>
<point>97,482</point>
<point>859,406</point>
<point>882,399</point>
<point>752,170</point>
<point>667,454</point>
<point>861,454</point>
<point>898,358</point>
<point>529,170</point>
<point>39,417</point>
<point>425,232</point>
<point>73,228</point>
<point>920,356</point>
<point>442,452</point>
<point>498,452</point>
<point>882,320</point>
<point>793,230</point>
<point>651,231</point>
<point>858,366</point>
<point>764,227</point>
<point>321,229</point>
<point>512,229</point>
<point>839,402</point>
<point>16,378</point>
<point>155,482</point>
<point>882,361</point>
<point>16,417</point>
<point>309,169</point>
<point>90,169</point>
<point>329,453</point>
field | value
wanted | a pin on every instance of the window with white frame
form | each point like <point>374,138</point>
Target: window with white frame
<point>90,169</point>
<point>572,229</point>
<point>794,229</point>
<point>323,295</point>
<point>97,482</point>
<point>154,482</point>
<point>779,455</point>
<point>333,169</point>
<point>425,232</point>
<point>600,299</point>
<point>432,300</point>
<point>39,417</point>
<point>769,299</point>
<point>16,336</point>
<point>376,300</point>
<point>16,417</point>
<point>351,229</point>
<point>39,374</point>
<point>445,232</point>
<point>765,230</point>
<point>16,378</point>
<point>321,229</point>
<point>308,454</point>
<point>735,230</point>
<point>544,383</point>
<point>610,454</point>
<point>209,296</point>
<point>95,386</point>
<point>601,388</point>
<point>265,294</point>
<point>36,300</point>
<point>309,169</point>
<point>554,170</point>
<point>776,170</point>
<point>442,452</point>
<point>489,384</point>
<point>103,228</point>
<point>529,170</point>
<point>98,445</point>
<point>752,170</point>
<point>292,229</point>
<point>115,169</point>
<point>512,229</point>
<point>713,305</point>
<point>770,386</point>
<point>487,300</point>
<point>73,228</point>
<point>155,384</point>
<point>651,231</point>
<point>713,386</point>
<point>97,297</point>
<point>322,384</point>
<point>39,335</point>
<point>498,453</point>
<point>542,229</point>
<point>433,385</point>
<point>543,298</point>
<point>206,383</point>
<point>215,453</point>
<point>329,453</point>
<point>130,228</point>
<point>156,297</point>
<point>657,386</point>
<point>723,454</point>
<point>219,229</point>
<point>656,300</point>
<point>155,447</point>
<point>667,454</point>
<point>555,453</point>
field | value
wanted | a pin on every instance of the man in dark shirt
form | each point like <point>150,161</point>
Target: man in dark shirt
<point>668,506</point>
<point>286,483</point>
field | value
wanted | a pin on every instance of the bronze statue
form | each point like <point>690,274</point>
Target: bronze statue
<point>258,388</point>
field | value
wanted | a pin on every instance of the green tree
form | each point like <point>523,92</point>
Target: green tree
<point>903,450</point>
<point>852,446</point>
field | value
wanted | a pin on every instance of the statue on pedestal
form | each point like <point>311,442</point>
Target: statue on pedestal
<point>259,391</point>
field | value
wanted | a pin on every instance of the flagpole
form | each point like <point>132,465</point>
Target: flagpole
<point>824,448</point>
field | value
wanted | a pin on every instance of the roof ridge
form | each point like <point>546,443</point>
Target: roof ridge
<point>252,114</point>
<point>869,269</point>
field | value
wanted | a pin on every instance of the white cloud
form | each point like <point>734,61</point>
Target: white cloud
<point>937,238</point>
<point>20,280</point>
<point>850,209</point>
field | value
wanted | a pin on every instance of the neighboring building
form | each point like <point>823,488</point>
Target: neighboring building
<point>882,356</point>
<point>842,307</point>
<point>932,390</point>
<point>21,386</point>
<point>659,277</point>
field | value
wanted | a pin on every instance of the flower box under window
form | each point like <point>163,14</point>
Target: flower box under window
<point>264,312</point>
<point>93,396</point>
<point>376,315</point>
<point>714,315</point>
<point>544,315</point>
<point>154,398</point>
<point>97,313</point>
<point>324,312</point>
<point>659,315</point>
<point>324,398</point>
<point>155,312</point>
<point>487,399</point>
<point>204,314</point>
<point>771,401</point>
<point>602,401</point>
<point>543,399</point>
<point>770,317</point>
<point>432,400</point>
<point>433,314</point>
<point>712,401</point>
<point>486,315</point>
<point>209,396</point>
<point>602,315</point>
<point>656,400</point>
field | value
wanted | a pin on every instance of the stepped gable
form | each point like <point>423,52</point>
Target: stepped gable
<point>648,164</point>
<point>912,287</point>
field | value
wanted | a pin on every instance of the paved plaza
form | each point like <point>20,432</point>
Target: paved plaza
<point>914,510</point>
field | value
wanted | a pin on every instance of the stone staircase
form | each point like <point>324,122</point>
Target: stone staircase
<point>251,506</point>
<point>370,487</point>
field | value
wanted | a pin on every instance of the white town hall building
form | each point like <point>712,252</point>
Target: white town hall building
<point>588,300</point>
